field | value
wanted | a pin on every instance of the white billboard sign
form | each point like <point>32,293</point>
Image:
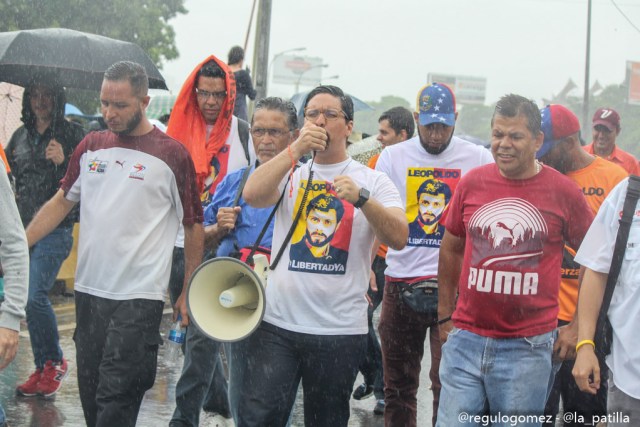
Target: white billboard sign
<point>467,89</point>
<point>297,70</point>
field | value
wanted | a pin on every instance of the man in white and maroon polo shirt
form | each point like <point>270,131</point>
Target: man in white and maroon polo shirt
<point>136,186</point>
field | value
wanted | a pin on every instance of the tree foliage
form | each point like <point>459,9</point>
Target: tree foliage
<point>144,22</point>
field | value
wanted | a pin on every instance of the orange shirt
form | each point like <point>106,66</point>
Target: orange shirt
<point>619,157</point>
<point>596,181</point>
<point>4,159</point>
<point>382,250</point>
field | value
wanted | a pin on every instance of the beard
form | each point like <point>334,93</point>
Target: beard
<point>436,150</point>
<point>428,219</point>
<point>318,244</point>
<point>131,124</point>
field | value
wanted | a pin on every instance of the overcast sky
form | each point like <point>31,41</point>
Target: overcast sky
<point>529,47</point>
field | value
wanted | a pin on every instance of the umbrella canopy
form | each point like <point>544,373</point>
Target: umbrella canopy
<point>300,98</point>
<point>72,58</point>
<point>70,109</point>
<point>10,110</point>
<point>160,105</point>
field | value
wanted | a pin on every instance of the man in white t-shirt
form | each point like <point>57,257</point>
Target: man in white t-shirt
<point>202,120</point>
<point>315,320</point>
<point>595,253</point>
<point>426,169</point>
<point>136,186</point>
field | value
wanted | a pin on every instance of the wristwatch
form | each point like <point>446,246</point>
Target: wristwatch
<point>362,199</point>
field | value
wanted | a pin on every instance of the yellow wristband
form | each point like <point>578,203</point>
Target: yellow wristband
<point>583,342</point>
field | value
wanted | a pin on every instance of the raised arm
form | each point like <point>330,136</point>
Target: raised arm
<point>449,269</point>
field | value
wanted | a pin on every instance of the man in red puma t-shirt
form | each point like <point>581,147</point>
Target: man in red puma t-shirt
<point>502,252</point>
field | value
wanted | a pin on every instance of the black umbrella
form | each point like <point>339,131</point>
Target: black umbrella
<point>73,58</point>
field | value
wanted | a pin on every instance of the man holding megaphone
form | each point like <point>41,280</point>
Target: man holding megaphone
<point>315,320</point>
<point>231,224</point>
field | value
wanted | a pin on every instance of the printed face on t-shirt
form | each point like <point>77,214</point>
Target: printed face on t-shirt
<point>431,207</point>
<point>321,226</point>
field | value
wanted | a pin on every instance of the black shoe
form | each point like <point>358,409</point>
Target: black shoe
<point>362,391</point>
<point>379,408</point>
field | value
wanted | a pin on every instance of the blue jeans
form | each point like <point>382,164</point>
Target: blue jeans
<point>278,359</point>
<point>488,376</point>
<point>45,260</point>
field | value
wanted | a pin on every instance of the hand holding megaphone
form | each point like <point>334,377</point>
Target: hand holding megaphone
<point>312,138</point>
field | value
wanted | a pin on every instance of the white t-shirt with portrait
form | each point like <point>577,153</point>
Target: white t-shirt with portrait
<point>325,295</point>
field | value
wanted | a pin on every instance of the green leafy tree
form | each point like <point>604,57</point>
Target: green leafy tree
<point>144,22</point>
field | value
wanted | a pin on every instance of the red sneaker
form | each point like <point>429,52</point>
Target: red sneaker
<point>52,376</point>
<point>30,387</point>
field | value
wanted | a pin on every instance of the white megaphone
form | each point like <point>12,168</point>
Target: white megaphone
<point>225,298</point>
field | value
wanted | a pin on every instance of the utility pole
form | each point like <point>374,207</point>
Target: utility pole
<point>261,53</point>
<point>585,101</point>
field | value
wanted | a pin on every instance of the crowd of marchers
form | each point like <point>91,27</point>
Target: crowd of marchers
<point>501,256</point>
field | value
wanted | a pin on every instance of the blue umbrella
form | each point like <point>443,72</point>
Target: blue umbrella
<point>300,98</point>
<point>70,109</point>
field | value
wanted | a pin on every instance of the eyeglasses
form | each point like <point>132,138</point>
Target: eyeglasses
<point>329,114</point>
<point>204,94</point>
<point>274,133</point>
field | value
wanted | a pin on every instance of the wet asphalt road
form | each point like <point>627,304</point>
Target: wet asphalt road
<point>158,404</point>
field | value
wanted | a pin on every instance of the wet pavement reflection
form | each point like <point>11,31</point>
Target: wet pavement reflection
<point>158,405</point>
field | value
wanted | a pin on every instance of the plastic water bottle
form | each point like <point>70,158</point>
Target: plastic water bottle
<point>175,339</point>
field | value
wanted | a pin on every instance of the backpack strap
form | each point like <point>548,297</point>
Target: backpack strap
<point>243,132</point>
<point>603,337</point>
<point>243,181</point>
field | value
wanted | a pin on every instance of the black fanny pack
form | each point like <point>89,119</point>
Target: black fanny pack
<point>421,297</point>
